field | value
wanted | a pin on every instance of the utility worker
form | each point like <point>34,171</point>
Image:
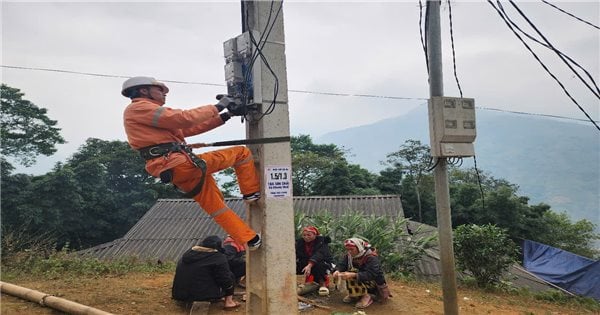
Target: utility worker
<point>158,133</point>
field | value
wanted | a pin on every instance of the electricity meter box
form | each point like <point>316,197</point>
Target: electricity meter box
<point>237,52</point>
<point>452,126</point>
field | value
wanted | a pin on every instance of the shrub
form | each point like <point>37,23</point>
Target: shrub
<point>484,251</point>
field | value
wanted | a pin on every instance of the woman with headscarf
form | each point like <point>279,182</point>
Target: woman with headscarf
<point>313,260</point>
<point>361,270</point>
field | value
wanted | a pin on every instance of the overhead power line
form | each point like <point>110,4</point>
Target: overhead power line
<point>212,84</point>
<point>501,12</point>
<point>567,13</point>
<point>295,91</point>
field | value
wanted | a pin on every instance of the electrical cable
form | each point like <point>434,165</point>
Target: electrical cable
<point>561,54</point>
<point>293,91</point>
<point>453,52</point>
<point>423,38</point>
<point>437,161</point>
<point>258,52</point>
<point>479,182</point>
<point>567,13</point>
<point>551,47</point>
<point>542,64</point>
<point>532,114</point>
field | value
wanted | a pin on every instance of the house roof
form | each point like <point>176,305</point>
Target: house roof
<point>172,226</point>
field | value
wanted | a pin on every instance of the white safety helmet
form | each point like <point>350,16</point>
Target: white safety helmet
<point>141,81</point>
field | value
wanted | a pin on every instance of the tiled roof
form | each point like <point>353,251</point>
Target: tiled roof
<point>172,226</point>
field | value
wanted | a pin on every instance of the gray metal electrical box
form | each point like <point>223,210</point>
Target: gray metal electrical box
<point>237,52</point>
<point>452,126</point>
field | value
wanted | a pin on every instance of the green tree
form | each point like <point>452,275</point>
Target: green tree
<point>575,237</point>
<point>13,191</point>
<point>322,169</point>
<point>413,159</point>
<point>310,161</point>
<point>506,209</point>
<point>96,196</point>
<point>389,181</point>
<point>26,129</point>
<point>485,251</point>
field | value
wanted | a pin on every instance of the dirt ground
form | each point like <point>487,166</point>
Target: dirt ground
<point>149,294</point>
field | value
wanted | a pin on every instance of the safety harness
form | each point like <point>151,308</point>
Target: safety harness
<point>163,150</point>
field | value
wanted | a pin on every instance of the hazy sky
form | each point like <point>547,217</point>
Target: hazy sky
<point>340,47</point>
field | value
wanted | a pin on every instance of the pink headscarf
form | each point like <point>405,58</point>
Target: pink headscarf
<point>311,229</point>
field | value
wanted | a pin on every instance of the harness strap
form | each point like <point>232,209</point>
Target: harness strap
<point>164,149</point>
<point>199,163</point>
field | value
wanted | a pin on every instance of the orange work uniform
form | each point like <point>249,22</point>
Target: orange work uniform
<point>148,123</point>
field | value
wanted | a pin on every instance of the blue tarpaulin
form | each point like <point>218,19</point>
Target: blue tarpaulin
<point>574,273</point>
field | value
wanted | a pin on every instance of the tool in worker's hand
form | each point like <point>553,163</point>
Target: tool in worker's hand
<point>234,105</point>
<point>239,142</point>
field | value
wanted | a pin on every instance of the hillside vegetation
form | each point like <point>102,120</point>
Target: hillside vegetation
<point>552,161</point>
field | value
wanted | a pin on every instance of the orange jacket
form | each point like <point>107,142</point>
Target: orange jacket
<point>148,123</point>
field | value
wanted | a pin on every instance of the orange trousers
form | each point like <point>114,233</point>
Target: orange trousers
<point>186,176</point>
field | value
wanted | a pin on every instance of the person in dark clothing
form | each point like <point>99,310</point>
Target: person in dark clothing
<point>236,257</point>
<point>361,270</point>
<point>313,259</point>
<point>203,274</point>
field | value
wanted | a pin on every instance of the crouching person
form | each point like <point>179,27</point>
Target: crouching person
<point>203,274</point>
<point>361,270</point>
<point>313,260</point>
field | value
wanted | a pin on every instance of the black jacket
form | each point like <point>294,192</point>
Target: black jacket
<point>369,268</point>
<point>320,252</point>
<point>202,274</point>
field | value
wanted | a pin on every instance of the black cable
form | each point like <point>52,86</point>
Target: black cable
<point>563,11</point>
<point>551,47</point>
<point>258,53</point>
<point>361,95</point>
<point>542,64</point>
<point>532,114</point>
<point>561,54</point>
<point>271,107</point>
<point>437,161</point>
<point>293,91</point>
<point>423,38</point>
<point>453,52</point>
<point>479,182</point>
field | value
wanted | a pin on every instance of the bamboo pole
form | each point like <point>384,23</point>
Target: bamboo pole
<point>48,300</point>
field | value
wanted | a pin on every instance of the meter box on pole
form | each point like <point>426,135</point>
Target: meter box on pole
<point>238,75</point>
<point>452,126</point>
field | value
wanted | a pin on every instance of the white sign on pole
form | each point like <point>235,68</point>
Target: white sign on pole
<point>278,181</point>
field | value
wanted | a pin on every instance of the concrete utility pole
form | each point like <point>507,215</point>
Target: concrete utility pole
<point>442,193</point>
<point>271,270</point>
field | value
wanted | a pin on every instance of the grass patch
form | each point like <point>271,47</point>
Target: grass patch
<point>65,265</point>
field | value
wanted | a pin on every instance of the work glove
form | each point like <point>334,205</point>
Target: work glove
<point>233,105</point>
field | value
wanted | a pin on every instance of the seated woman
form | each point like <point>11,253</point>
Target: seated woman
<point>202,274</point>
<point>363,274</point>
<point>313,259</point>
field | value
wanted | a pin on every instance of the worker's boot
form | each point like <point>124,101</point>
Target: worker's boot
<point>251,198</point>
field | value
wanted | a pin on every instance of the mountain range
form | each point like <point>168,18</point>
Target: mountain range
<point>555,161</point>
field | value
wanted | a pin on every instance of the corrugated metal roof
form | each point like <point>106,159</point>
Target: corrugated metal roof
<point>172,226</point>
